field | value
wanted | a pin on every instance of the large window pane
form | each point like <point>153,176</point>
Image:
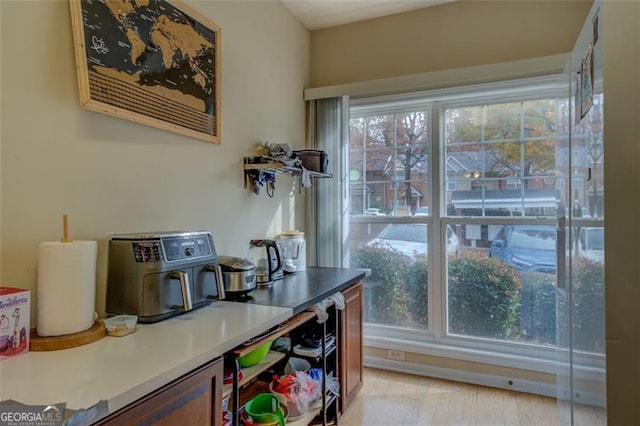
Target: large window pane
<point>388,166</point>
<point>502,283</point>
<point>588,289</point>
<point>396,291</point>
<point>510,169</point>
<point>389,180</point>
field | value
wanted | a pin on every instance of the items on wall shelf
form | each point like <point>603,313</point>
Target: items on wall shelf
<point>260,171</point>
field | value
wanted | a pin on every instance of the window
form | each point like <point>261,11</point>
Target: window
<point>508,152</point>
<point>464,249</point>
<point>388,162</point>
<point>389,171</point>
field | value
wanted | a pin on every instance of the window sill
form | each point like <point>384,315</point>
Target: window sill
<point>589,367</point>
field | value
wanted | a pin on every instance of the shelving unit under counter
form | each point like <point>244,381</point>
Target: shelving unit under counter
<point>300,292</point>
<point>244,385</point>
<point>247,382</point>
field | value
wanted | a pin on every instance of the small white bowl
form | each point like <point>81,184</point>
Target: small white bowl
<point>120,325</point>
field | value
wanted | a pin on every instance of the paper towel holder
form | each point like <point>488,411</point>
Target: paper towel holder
<point>65,229</point>
<point>49,343</point>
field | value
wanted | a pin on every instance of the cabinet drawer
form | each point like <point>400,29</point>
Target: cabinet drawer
<point>194,399</point>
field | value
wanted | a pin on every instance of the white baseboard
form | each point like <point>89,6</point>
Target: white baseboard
<point>483,379</point>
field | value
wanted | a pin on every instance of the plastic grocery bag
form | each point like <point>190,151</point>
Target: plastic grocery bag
<point>299,390</point>
<point>332,383</point>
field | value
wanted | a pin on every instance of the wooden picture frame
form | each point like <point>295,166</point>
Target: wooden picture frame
<point>154,62</point>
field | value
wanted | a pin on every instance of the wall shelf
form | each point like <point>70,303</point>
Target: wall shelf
<point>283,168</point>
<point>275,167</point>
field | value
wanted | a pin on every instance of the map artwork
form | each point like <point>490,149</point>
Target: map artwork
<point>151,58</point>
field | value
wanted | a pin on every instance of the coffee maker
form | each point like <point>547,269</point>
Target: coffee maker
<point>267,256</point>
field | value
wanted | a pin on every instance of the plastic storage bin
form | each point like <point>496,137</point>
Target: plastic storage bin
<point>120,325</point>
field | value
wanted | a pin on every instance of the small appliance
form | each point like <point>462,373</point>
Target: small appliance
<point>238,275</point>
<point>294,252</point>
<point>313,160</point>
<point>267,256</point>
<point>158,275</point>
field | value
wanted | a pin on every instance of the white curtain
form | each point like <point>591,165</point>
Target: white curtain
<point>327,205</point>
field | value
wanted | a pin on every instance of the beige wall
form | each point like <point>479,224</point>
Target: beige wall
<point>452,35</point>
<point>622,236</point>
<point>111,175</point>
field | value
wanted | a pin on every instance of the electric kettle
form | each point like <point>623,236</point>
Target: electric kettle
<point>265,254</point>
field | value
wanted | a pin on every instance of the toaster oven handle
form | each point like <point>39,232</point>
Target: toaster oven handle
<point>183,277</point>
<point>219,283</point>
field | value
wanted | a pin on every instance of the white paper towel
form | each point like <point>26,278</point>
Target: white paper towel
<point>66,287</point>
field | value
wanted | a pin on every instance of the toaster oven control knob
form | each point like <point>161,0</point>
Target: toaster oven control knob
<point>189,251</point>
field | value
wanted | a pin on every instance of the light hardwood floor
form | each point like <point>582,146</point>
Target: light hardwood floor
<point>389,398</point>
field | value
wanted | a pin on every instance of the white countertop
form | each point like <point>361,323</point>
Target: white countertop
<point>122,369</point>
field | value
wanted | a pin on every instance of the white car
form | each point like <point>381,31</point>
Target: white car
<point>410,239</point>
<point>591,244</point>
<point>373,212</point>
<point>422,211</point>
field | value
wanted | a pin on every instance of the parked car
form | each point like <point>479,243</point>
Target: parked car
<point>591,244</point>
<point>373,212</point>
<point>526,247</point>
<point>410,239</point>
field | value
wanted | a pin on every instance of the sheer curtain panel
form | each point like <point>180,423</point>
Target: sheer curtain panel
<point>327,204</point>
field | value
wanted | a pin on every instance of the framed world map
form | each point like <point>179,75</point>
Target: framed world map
<point>154,62</point>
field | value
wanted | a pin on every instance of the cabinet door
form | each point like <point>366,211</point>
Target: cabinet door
<point>195,399</point>
<point>351,345</point>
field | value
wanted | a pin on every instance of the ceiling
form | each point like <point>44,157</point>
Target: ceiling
<point>317,14</point>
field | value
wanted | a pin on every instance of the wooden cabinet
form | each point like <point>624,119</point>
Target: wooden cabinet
<point>351,345</point>
<point>194,399</point>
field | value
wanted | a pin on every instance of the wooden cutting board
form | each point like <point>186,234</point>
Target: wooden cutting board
<point>54,343</point>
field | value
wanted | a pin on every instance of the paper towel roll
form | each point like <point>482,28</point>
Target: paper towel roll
<point>66,287</point>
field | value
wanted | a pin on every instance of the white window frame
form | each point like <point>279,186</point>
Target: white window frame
<point>435,342</point>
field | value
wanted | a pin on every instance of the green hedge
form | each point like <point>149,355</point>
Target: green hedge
<point>416,286</point>
<point>486,298</point>
<point>483,296</point>
<point>537,308</point>
<point>588,306</point>
<point>542,302</point>
<point>386,297</point>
